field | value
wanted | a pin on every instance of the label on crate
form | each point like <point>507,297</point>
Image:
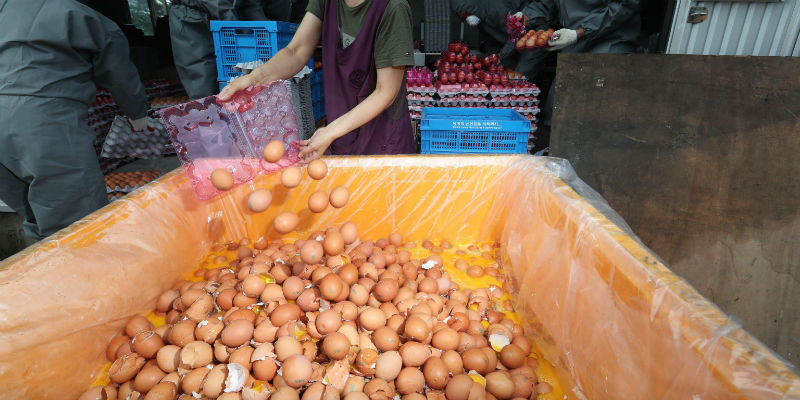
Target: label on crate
<point>482,125</point>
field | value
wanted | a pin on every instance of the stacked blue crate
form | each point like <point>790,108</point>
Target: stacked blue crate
<point>317,95</point>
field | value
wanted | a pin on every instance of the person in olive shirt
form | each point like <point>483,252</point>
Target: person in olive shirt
<point>366,45</point>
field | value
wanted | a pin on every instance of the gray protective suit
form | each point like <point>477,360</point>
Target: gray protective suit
<point>493,27</point>
<point>51,56</point>
<point>609,26</point>
<point>192,44</point>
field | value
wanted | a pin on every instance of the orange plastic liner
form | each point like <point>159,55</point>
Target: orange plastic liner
<point>612,318</point>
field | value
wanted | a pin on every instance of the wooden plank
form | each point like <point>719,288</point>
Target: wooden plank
<point>700,155</point>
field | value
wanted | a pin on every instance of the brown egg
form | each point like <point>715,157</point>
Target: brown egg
<point>386,290</point>
<point>453,361</point>
<point>312,252</point>
<point>259,200</point>
<point>193,381</point>
<point>458,388</point>
<point>436,373</point>
<point>287,346</point>
<point>339,196</point>
<point>385,339</point>
<point>523,386</point>
<point>475,359</point>
<point>291,177</point>
<point>396,239</point>
<point>285,313</point>
<point>196,354</point>
<point>371,318</point>
<point>99,393</point>
<point>428,285</point>
<point>242,313</point>
<point>162,391</point>
<point>225,298</point>
<point>475,271</point>
<point>273,151</point>
<point>336,346</point>
<point>330,286</point>
<point>296,370</point>
<point>416,329</point>
<point>349,232</point>
<point>237,333</point>
<point>309,300</point>
<point>221,179</point>
<point>292,287</point>
<point>365,360</point>
<point>168,358</point>
<point>181,333</point>
<point>113,346</point>
<point>353,384</point>
<point>491,356</point>
<point>241,356</point>
<point>285,393</point>
<point>318,201</point>
<point>264,370</point>
<point>446,339</point>
<point>147,343</point>
<point>409,380</point>
<point>164,302</point>
<point>358,295</point>
<point>317,169</point>
<point>500,385</point>
<point>414,354</point>
<point>523,343</point>
<point>328,321</point>
<point>286,222</point>
<point>512,356</point>
<point>214,382</point>
<point>137,324</point>
<point>388,365</point>
<point>200,309</point>
<point>314,391</point>
<point>543,388</point>
<point>253,286</point>
<point>147,378</point>
<point>333,243</point>
<point>126,367</point>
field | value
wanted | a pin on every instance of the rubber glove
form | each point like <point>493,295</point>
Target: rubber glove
<point>473,20</point>
<point>562,38</point>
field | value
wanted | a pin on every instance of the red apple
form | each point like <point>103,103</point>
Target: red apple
<point>456,47</point>
<point>464,50</point>
<point>459,58</point>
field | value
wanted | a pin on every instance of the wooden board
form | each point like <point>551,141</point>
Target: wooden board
<point>701,156</point>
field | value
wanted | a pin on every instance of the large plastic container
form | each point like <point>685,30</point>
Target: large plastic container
<point>615,321</point>
<point>473,131</point>
<point>242,41</point>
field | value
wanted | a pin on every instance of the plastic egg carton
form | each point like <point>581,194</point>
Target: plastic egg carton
<point>476,88</point>
<point>449,90</point>
<point>527,110</point>
<point>115,196</point>
<point>524,103</point>
<point>415,108</point>
<point>122,141</point>
<point>427,89</point>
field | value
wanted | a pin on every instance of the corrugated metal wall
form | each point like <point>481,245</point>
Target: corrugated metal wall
<point>737,28</point>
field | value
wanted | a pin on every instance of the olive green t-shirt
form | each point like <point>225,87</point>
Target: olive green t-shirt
<point>394,42</point>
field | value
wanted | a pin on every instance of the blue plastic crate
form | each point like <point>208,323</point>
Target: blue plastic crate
<point>243,41</point>
<point>473,130</point>
<point>316,77</point>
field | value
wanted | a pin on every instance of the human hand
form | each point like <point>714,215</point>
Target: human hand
<point>240,83</point>
<point>316,146</point>
<point>562,38</point>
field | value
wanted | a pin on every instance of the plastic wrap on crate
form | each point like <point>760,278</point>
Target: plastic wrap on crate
<point>209,134</point>
<point>122,141</point>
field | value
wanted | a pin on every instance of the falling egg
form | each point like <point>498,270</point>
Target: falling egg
<point>259,200</point>
<point>318,201</point>
<point>339,196</point>
<point>286,222</point>
<point>221,179</point>
<point>349,232</point>
<point>273,151</point>
<point>291,176</point>
<point>317,169</point>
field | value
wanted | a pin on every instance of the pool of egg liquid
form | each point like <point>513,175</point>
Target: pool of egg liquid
<point>545,372</point>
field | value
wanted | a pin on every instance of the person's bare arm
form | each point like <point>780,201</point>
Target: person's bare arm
<point>287,62</point>
<point>386,88</point>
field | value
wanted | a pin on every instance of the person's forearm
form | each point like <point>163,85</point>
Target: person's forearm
<point>366,111</point>
<point>284,65</point>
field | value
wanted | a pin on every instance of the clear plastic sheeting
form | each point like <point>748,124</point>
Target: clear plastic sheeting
<point>614,320</point>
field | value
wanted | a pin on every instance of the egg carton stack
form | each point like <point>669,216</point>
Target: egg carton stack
<point>119,184</point>
<point>420,90</point>
<point>123,142</point>
<point>521,96</point>
<point>168,101</point>
<point>100,115</point>
<point>449,94</point>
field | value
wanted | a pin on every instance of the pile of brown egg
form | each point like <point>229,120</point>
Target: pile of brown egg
<point>121,180</point>
<point>330,317</point>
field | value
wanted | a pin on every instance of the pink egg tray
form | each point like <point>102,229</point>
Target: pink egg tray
<point>209,134</point>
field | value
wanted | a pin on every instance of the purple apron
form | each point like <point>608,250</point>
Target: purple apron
<point>349,77</point>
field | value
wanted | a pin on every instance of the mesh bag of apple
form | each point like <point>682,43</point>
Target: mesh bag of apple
<point>331,316</point>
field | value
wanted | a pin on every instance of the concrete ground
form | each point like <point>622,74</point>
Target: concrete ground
<point>11,236</point>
